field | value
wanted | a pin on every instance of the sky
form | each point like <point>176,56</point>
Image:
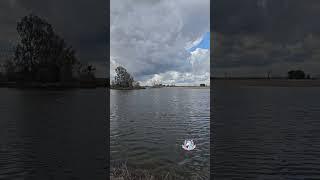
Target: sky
<point>168,41</point>
<point>161,41</point>
<point>252,37</point>
<point>82,23</point>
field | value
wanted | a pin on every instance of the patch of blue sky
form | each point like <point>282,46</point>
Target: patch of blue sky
<point>203,44</point>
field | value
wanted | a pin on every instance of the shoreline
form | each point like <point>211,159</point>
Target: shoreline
<point>148,87</point>
<point>52,86</point>
<point>191,87</point>
<point>118,88</point>
<point>224,82</point>
<point>268,82</point>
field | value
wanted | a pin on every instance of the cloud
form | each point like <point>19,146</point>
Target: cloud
<point>202,42</point>
<point>149,38</point>
<point>177,78</point>
<point>200,72</point>
<point>200,61</point>
<point>254,55</point>
<point>194,43</point>
<point>253,37</point>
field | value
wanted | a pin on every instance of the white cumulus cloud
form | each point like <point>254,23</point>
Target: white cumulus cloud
<point>149,38</point>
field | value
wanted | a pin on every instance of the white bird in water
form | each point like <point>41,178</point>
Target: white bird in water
<point>188,145</point>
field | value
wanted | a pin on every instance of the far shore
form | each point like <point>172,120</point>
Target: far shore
<point>56,85</point>
<point>268,82</point>
<point>149,87</point>
<point>191,87</point>
<point>127,88</point>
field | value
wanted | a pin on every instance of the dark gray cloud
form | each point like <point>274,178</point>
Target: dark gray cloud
<point>252,36</point>
<point>149,38</point>
<point>288,18</point>
<point>82,23</point>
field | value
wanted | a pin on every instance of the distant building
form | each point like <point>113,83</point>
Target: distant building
<point>202,85</point>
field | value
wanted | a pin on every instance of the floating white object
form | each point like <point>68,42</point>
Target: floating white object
<point>188,145</point>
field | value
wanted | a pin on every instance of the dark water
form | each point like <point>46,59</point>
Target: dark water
<point>147,128</point>
<point>266,132</point>
<point>52,134</point>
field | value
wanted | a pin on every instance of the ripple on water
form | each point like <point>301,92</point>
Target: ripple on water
<point>272,135</point>
<point>151,125</point>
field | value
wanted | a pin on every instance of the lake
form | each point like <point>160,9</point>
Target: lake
<point>266,132</point>
<point>53,134</point>
<point>148,127</point>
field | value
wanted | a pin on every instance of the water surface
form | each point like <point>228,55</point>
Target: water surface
<point>266,132</point>
<point>53,134</point>
<point>148,127</point>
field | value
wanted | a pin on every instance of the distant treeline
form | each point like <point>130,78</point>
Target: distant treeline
<point>292,74</point>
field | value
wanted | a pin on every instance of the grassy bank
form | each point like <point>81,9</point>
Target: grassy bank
<point>123,172</point>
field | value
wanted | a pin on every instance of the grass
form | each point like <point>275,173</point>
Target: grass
<point>122,172</point>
